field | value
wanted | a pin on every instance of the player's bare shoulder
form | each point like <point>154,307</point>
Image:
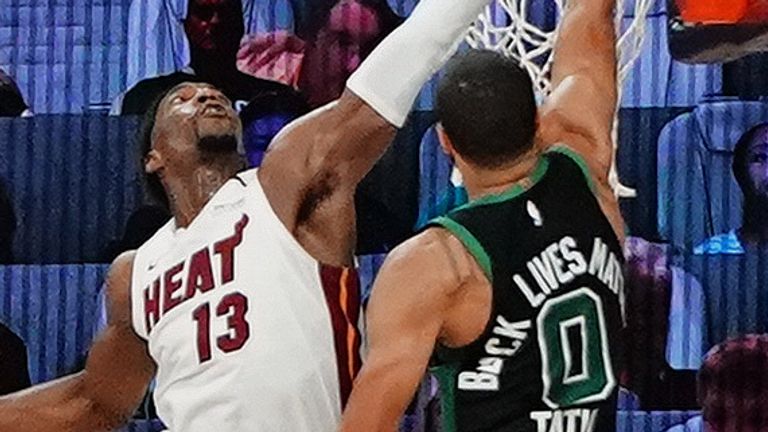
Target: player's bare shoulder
<point>118,286</point>
<point>436,254</point>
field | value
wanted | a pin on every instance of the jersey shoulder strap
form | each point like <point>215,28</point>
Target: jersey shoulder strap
<point>470,242</point>
<point>563,160</point>
<point>565,153</point>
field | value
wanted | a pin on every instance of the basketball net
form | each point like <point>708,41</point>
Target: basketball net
<point>504,27</point>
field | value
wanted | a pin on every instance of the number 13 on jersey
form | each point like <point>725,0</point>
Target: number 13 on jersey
<point>234,307</point>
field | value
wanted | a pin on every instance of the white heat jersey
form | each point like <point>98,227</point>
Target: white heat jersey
<point>236,317</point>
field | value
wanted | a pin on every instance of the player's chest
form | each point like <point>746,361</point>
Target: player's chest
<point>203,262</point>
<point>196,293</point>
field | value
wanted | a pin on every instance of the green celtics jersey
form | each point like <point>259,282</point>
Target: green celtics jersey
<point>548,357</point>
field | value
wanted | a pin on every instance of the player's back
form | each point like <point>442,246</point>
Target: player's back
<point>548,357</point>
<point>238,321</point>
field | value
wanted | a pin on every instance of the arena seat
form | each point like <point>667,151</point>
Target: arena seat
<point>52,308</point>
<point>435,176</point>
<point>651,421</point>
<point>73,180</point>
<point>697,194</point>
<point>735,291</point>
<point>674,83</point>
<point>144,426</point>
<point>368,268</point>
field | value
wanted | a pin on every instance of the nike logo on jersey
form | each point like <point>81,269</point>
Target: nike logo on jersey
<point>535,214</point>
<point>561,262</point>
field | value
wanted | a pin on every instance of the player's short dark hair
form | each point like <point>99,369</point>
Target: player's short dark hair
<point>740,153</point>
<point>486,105</point>
<point>154,186</point>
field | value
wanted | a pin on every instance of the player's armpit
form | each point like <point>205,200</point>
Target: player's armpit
<point>333,147</point>
<point>107,392</point>
<point>344,138</point>
<point>411,297</point>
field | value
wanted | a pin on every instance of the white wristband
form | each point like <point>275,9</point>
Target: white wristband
<point>390,79</point>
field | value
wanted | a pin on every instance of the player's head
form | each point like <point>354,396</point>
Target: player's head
<point>339,36</point>
<point>192,125</point>
<point>486,109</point>
<point>733,385</point>
<point>214,28</point>
<point>750,165</point>
<point>264,117</point>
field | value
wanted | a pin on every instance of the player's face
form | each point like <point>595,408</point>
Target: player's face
<point>194,120</point>
<point>757,168</point>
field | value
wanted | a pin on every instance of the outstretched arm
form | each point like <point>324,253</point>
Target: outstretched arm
<point>580,111</point>
<point>411,298</point>
<point>314,165</point>
<point>106,393</point>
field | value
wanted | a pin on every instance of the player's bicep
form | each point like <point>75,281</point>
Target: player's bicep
<point>405,318</point>
<point>119,368</point>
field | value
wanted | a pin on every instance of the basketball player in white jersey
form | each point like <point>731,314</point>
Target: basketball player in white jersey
<point>224,305</point>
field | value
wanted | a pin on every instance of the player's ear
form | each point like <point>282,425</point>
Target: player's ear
<point>445,142</point>
<point>153,161</point>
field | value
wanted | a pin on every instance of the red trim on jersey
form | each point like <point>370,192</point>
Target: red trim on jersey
<point>342,295</point>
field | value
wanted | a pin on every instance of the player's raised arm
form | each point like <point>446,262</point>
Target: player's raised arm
<point>331,149</point>
<point>106,393</point>
<point>581,108</point>
<point>412,297</point>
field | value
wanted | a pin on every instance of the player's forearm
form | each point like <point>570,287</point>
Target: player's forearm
<point>586,43</point>
<point>368,412</point>
<point>590,22</point>
<point>59,406</point>
<point>391,77</point>
<point>592,10</point>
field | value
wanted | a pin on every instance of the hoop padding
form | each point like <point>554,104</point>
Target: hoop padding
<point>504,27</point>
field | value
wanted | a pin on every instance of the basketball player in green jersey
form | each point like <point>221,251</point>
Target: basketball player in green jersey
<point>518,295</point>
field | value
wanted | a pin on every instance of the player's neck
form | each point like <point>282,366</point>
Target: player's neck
<point>481,182</point>
<point>191,192</point>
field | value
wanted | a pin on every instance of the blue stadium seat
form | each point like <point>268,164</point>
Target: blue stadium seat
<point>651,421</point>
<point>145,426</point>
<point>435,168</point>
<point>674,83</point>
<point>697,194</point>
<point>736,293</point>
<point>73,180</point>
<point>52,308</point>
